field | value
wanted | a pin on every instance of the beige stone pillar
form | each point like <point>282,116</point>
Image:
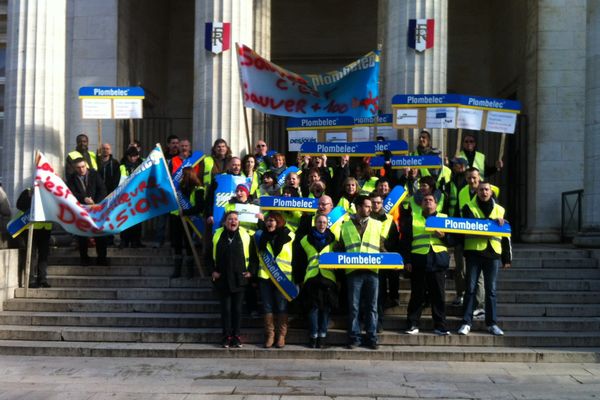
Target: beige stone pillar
<point>404,70</point>
<point>218,109</point>
<point>35,89</point>
<point>590,235</point>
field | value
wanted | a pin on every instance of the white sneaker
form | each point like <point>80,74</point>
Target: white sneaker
<point>495,330</point>
<point>442,332</point>
<point>479,314</point>
<point>413,330</point>
<point>464,330</point>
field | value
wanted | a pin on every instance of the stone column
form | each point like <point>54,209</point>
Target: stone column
<point>404,70</point>
<point>590,235</point>
<point>218,109</point>
<point>35,89</point>
<point>555,81</point>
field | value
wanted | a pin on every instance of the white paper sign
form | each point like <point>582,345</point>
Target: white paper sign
<point>127,108</point>
<point>360,134</point>
<point>441,117</point>
<point>406,116</point>
<point>96,108</point>
<point>340,137</point>
<point>502,122</point>
<point>296,138</point>
<point>387,132</point>
<point>247,212</point>
<point>469,118</point>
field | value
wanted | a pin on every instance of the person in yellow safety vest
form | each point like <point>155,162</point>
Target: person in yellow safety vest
<point>81,151</point>
<point>425,148</point>
<point>308,177</point>
<point>475,158</point>
<point>362,234</point>
<point>242,196</point>
<point>38,275</point>
<point>229,263</point>
<point>389,279</point>
<point>319,288</point>
<point>191,188</point>
<point>269,186</point>
<point>131,236</point>
<point>307,221</point>
<point>214,164</point>
<point>457,182</point>
<point>316,190</point>
<point>293,180</point>
<point>484,254</point>
<point>263,161</point>
<point>367,181</point>
<point>249,171</point>
<point>426,258</point>
<point>350,193</point>
<point>427,185</point>
<point>278,241</point>
<point>292,218</point>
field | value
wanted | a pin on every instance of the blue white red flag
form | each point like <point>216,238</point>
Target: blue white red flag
<point>420,34</point>
<point>217,36</point>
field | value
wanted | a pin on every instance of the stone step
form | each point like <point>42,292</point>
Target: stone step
<point>554,262</point>
<point>186,294</point>
<point>336,337</point>
<point>141,260</point>
<point>390,353</point>
<point>552,273</point>
<point>212,306</point>
<point>112,251</point>
<point>212,320</point>
<point>552,251</point>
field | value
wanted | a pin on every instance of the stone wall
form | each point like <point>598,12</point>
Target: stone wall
<point>9,274</point>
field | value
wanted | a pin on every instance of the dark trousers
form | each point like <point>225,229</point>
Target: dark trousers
<point>132,236</point>
<point>231,312</point>
<point>178,237</point>
<point>41,243</point>
<point>427,284</point>
<point>100,247</point>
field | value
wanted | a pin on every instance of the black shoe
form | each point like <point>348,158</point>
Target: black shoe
<point>312,343</point>
<point>85,261</point>
<point>138,245</point>
<point>379,328</point>
<point>353,345</point>
<point>44,285</point>
<point>236,342</point>
<point>226,342</point>
<point>104,262</point>
<point>33,285</point>
<point>321,343</point>
<point>373,345</point>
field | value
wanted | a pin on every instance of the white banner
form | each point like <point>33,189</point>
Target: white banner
<point>469,118</point>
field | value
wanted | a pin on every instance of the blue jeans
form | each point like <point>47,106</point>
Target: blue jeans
<point>363,287</point>
<point>272,299</point>
<point>318,321</point>
<point>489,267</point>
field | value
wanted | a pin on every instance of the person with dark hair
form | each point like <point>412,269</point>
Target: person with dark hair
<point>216,163</point>
<point>172,147</point>
<point>192,189</point>
<point>365,176</point>
<point>319,288</point>
<point>349,194</point>
<point>269,186</point>
<point>88,188</point>
<point>108,168</point>
<point>229,263</point>
<point>277,241</point>
<point>249,171</point>
<point>133,235</point>
<point>81,151</point>
<point>362,234</point>
<point>475,158</point>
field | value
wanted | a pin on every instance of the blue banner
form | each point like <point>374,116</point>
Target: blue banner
<point>196,222</point>
<point>289,203</point>
<point>278,277</point>
<point>394,198</point>
<point>337,214</point>
<point>396,147</point>
<point>285,173</point>
<point>316,123</point>
<point>383,119</point>
<point>361,261</point>
<point>358,149</point>
<point>456,100</point>
<point>400,162</point>
<point>111,91</point>
<point>469,226</point>
<point>225,190</point>
<point>18,224</point>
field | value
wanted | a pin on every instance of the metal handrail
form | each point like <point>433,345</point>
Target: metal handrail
<point>567,214</point>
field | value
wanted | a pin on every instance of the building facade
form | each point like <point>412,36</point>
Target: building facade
<point>544,53</point>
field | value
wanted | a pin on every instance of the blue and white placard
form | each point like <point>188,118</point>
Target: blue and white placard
<point>394,198</point>
<point>360,149</point>
<point>289,203</point>
<point>469,226</point>
<point>361,261</point>
<point>400,162</point>
<point>396,147</point>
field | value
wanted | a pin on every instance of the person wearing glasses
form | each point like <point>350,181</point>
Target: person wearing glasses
<point>475,158</point>
<point>263,161</point>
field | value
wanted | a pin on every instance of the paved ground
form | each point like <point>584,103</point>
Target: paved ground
<point>32,378</point>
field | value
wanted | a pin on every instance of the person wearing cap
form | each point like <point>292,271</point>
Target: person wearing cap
<point>242,196</point>
<point>130,236</point>
<point>475,158</point>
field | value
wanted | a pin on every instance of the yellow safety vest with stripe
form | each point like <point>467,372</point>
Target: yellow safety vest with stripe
<point>37,225</point>
<point>346,205</point>
<point>386,225</point>
<point>422,239</point>
<point>292,219</point>
<point>417,207</point>
<point>478,161</point>
<point>312,269</point>
<point>254,185</point>
<point>75,155</point>
<point>369,243</point>
<point>245,243</point>
<point>251,227</point>
<point>478,242</point>
<point>209,163</point>
<point>465,196</point>
<point>445,174</point>
<point>369,186</point>
<point>283,259</point>
<point>192,198</point>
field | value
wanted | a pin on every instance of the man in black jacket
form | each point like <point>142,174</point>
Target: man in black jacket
<point>88,188</point>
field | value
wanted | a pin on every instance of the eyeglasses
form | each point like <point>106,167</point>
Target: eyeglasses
<point>261,145</point>
<point>469,141</point>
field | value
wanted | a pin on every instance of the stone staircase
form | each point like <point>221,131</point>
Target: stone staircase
<point>547,304</point>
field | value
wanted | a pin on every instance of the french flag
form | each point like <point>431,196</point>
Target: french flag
<point>420,34</point>
<point>217,36</point>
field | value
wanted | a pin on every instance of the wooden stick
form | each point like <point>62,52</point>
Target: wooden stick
<point>458,140</point>
<point>131,131</point>
<point>28,257</point>
<point>502,145</point>
<point>247,128</point>
<point>99,134</point>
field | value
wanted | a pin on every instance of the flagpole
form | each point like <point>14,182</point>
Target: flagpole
<point>185,226</point>
<point>30,233</point>
<point>380,49</point>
